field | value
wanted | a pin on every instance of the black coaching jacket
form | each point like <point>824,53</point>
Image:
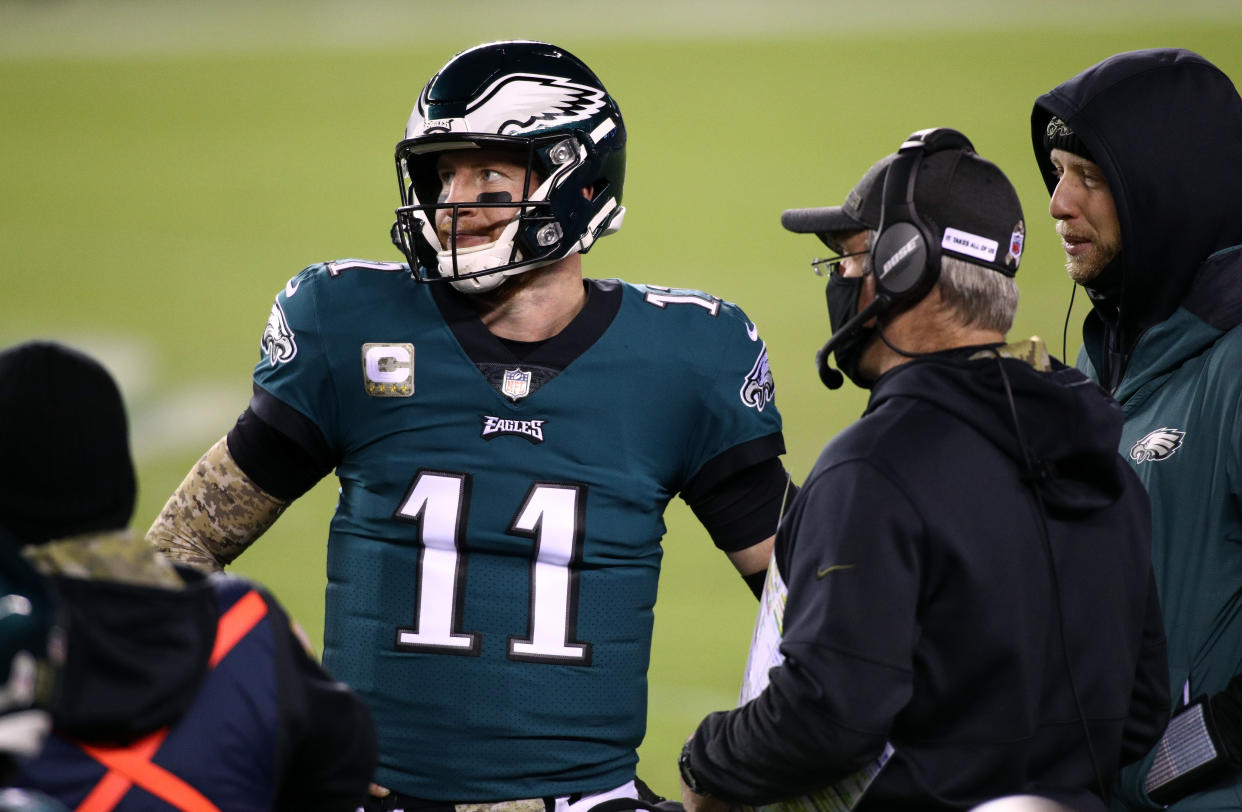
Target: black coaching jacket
<point>969,581</point>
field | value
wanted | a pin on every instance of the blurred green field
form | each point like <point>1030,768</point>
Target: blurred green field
<point>165,167</point>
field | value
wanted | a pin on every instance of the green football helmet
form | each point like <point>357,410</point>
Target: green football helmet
<point>546,107</point>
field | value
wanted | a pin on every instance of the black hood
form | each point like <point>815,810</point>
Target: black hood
<point>135,655</point>
<point>1165,127</point>
<point>1069,428</point>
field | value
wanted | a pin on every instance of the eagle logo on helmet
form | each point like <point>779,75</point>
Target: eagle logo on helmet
<point>1156,446</point>
<point>516,104</point>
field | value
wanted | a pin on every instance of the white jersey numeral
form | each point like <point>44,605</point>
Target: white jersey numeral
<point>435,503</point>
<point>552,515</point>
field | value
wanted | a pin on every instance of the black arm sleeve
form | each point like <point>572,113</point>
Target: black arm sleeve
<point>743,506</point>
<point>755,582</point>
<point>328,746</point>
<point>279,448</point>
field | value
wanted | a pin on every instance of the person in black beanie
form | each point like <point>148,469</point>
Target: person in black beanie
<point>177,688</point>
<point>62,419</point>
<point>1142,157</point>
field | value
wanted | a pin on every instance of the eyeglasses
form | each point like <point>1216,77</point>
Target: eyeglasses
<point>832,265</point>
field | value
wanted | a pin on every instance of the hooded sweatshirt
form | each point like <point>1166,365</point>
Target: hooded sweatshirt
<point>1165,127</point>
<point>940,561</point>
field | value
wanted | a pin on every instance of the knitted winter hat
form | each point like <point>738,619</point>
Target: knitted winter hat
<point>65,467</point>
<point>1058,135</point>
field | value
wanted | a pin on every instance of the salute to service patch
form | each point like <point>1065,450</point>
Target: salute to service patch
<point>388,370</point>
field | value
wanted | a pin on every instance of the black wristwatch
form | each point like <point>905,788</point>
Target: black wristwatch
<point>687,774</point>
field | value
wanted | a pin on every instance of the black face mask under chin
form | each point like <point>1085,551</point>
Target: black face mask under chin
<point>843,293</point>
<point>1106,287</point>
<point>1107,290</point>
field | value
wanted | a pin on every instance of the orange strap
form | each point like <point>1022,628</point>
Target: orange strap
<point>236,623</point>
<point>132,765</point>
<point>129,766</point>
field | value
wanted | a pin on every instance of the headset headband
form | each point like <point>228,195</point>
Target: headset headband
<point>906,255</point>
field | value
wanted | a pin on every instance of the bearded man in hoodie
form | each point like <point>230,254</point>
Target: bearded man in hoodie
<point>1142,154</point>
<point>961,605</point>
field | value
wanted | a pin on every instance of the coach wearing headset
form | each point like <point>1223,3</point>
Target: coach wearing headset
<point>961,604</point>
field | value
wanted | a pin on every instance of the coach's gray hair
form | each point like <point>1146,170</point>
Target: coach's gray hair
<point>982,297</point>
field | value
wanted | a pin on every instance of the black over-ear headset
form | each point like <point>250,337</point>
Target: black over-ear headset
<point>905,257</point>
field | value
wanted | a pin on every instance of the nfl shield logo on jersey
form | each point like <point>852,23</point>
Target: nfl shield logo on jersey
<point>516,384</point>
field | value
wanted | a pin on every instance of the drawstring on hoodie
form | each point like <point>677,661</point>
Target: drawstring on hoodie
<point>1034,475</point>
<point>1069,311</point>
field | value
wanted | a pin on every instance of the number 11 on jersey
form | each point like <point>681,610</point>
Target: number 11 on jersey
<point>552,515</point>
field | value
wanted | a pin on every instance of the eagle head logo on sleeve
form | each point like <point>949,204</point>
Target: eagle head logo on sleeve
<point>278,344</point>
<point>758,388</point>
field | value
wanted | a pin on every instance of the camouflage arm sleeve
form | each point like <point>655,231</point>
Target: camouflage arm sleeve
<point>214,514</point>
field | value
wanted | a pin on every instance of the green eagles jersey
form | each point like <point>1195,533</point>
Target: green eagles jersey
<point>493,559</point>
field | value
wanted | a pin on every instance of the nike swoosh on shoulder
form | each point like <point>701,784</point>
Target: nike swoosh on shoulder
<point>291,287</point>
<point>820,573</point>
<point>752,331</point>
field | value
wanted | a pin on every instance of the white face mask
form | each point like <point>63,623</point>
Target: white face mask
<point>480,258</point>
<point>496,254</point>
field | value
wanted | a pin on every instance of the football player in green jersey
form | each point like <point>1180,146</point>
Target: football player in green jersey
<point>506,445</point>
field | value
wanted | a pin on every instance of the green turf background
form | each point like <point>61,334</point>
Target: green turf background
<point>165,167</point>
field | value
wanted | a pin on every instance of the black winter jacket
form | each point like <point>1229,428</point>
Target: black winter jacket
<point>1165,127</point>
<point>923,609</point>
<point>235,709</point>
